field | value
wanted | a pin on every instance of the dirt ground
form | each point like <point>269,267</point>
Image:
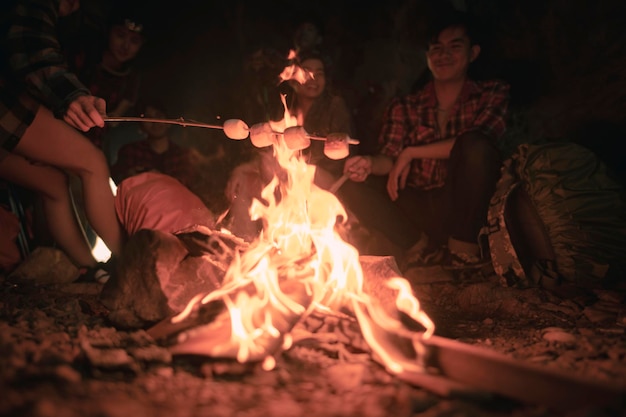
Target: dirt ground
<point>60,357</point>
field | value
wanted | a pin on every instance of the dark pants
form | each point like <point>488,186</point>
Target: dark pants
<point>457,210</point>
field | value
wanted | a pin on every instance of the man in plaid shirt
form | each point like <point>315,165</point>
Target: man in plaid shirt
<point>439,163</point>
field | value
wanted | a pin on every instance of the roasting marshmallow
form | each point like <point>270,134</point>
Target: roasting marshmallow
<point>261,135</point>
<point>296,138</point>
<point>336,146</point>
<point>236,129</point>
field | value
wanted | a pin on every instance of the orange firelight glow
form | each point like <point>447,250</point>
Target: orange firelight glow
<point>297,265</point>
<point>294,72</point>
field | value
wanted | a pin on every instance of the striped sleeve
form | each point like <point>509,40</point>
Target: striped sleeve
<point>36,58</point>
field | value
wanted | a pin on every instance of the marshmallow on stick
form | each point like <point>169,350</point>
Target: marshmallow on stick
<point>336,146</point>
<point>262,135</point>
<point>236,129</point>
<point>296,138</point>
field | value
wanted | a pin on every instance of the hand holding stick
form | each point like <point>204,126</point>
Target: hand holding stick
<point>337,184</point>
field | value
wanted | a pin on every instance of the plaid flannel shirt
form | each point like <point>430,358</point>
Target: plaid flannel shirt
<point>36,56</point>
<point>33,69</point>
<point>175,162</point>
<point>412,120</point>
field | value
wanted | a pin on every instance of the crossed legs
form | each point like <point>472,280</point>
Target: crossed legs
<point>57,147</point>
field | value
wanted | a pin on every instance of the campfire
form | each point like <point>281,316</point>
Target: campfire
<point>215,295</point>
<point>298,265</point>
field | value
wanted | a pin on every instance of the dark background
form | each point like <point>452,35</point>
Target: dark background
<point>564,59</point>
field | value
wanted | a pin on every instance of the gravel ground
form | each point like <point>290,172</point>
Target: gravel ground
<point>59,356</point>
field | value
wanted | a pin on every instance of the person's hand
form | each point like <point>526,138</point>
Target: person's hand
<point>86,112</point>
<point>358,168</point>
<point>398,175</point>
<point>244,183</point>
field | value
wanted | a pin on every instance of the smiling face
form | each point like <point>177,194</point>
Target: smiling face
<point>450,54</point>
<point>313,88</point>
<point>67,7</point>
<point>154,130</point>
<point>124,44</point>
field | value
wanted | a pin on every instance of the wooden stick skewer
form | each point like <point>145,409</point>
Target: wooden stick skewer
<point>191,123</point>
<point>337,184</point>
<point>180,121</point>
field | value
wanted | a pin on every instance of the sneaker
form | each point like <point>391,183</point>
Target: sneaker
<point>431,255</point>
<point>454,261</point>
<point>100,273</point>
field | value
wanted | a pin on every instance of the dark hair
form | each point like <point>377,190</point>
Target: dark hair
<point>153,102</point>
<point>453,18</point>
<point>128,16</point>
<point>316,54</point>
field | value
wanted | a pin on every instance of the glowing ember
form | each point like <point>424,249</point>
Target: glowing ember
<point>297,265</point>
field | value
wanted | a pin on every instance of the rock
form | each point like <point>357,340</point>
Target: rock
<point>133,294</point>
<point>561,308</point>
<point>610,296</point>
<point>346,377</point>
<point>67,373</point>
<point>598,316</point>
<point>45,265</point>
<point>153,354</point>
<point>111,359</point>
<point>377,270</point>
<point>159,273</point>
<point>558,335</point>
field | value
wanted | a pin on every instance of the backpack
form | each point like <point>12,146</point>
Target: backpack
<point>556,217</point>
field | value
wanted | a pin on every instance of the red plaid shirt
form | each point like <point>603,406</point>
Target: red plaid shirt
<point>412,120</point>
<point>137,157</point>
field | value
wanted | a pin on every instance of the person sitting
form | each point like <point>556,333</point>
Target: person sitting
<point>321,112</point>
<point>439,163</point>
<point>156,152</point>
<point>112,74</point>
<point>107,68</point>
<point>44,108</point>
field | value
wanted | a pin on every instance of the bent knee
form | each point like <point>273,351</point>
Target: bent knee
<point>54,185</point>
<point>93,164</point>
<point>475,146</point>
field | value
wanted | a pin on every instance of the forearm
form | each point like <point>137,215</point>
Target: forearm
<point>381,164</point>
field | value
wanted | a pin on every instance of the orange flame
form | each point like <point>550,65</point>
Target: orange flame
<point>299,264</point>
<point>295,72</point>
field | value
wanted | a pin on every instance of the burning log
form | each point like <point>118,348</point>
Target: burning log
<point>299,264</point>
<point>494,373</point>
<point>216,339</point>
